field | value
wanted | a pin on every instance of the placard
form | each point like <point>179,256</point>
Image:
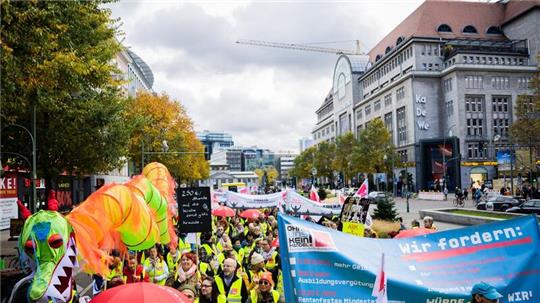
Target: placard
<point>194,209</point>
<point>8,200</point>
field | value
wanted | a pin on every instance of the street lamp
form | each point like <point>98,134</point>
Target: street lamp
<point>313,174</point>
<point>34,174</point>
<point>394,181</point>
<point>449,131</point>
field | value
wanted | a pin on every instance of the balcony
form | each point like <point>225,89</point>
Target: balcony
<point>479,46</point>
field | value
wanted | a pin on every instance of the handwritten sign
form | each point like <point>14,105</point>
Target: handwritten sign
<point>194,209</point>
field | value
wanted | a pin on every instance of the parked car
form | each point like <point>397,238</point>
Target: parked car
<point>376,196</point>
<point>529,207</point>
<point>498,203</point>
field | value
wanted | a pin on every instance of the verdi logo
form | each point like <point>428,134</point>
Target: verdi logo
<point>307,239</point>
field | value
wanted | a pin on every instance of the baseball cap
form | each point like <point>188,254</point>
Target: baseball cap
<point>486,290</point>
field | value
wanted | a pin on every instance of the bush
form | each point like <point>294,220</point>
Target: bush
<point>386,210</point>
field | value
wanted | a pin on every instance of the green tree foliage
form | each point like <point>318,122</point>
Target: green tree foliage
<point>271,174</point>
<point>386,210</point>
<point>324,159</point>
<point>524,131</point>
<point>374,144</point>
<point>304,163</point>
<point>343,160</point>
<point>58,56</point>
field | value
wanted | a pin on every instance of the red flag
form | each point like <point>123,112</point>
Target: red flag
<point>313,195</point>
<point>244,190</point>
<point>363,190</point>
<point>341,199</point>
<point>379,286</point>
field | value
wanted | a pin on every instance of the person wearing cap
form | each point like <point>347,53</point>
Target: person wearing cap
<point>256,269</point>
<point>230,284</point>
<point>428,223</point>
<point>265,293</point>
<point>484,293</point>
<point>190,292</point>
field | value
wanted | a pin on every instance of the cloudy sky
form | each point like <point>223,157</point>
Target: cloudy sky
<point>261,96</point>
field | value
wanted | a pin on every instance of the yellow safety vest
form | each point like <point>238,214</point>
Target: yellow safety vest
<point>182,245</point>
<point>235,292</point>
<point>271,263</point>
<point>172,263</point>
<point>254,296</point>
<point>159,269</point>
<point>279,285</point>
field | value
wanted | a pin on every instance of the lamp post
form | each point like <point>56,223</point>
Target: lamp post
<point>444,155</point>
<point>313,174</point>
<point>34,174</point>
<point>394,181</point>
<point>165,151</point>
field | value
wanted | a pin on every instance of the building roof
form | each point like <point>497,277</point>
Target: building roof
<point>147,72</point>
<point>359,63</point>
<point>427,18</point>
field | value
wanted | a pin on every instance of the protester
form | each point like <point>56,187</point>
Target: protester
<point>52,203</point>
<point>230,284</point>
<point>156,267</point>
<point>187,272</point>
<point>415,224</point>
<point>428,223</point>
<point>256,269</point>
<point>209,292</point>
<point>134,272</point>
<point>265,292</point>
<point>173,258</point>
<point>189,291</point>
<point>484,293</point>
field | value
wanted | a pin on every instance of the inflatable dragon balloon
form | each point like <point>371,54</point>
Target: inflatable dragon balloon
<point>135,216</point>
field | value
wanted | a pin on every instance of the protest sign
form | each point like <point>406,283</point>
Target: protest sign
<point>325,265</point>
<point>297,204</point>
<point>353,215</point>
<point>8,200</point>
<point>237,200</point>
<point>194,209</point>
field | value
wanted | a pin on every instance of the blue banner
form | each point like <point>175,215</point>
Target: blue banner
<point>324,265</point>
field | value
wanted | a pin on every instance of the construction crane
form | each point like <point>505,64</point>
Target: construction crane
<point>304,47</point>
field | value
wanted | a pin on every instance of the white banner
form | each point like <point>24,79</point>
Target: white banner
<point>236,200</point>
<point>8,210</point>
<point>298,204</point>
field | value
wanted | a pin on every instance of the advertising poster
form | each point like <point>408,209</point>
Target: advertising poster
<point>8,200</point>
<point>325,265</point>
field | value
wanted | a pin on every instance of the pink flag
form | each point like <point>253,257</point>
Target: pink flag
<point>363,190</point>
<point>380,287</point>
<point>341,199</point>
<point>313,195</point>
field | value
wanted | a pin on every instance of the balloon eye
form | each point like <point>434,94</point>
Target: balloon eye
<point>29,247</point>
<point>55,241</point>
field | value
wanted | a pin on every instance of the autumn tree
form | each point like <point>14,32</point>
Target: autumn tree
<point>375,151</point>
<point>524,131</point>
<point>164,119</point>
<point>324,159</point>
<point>57,63</point>
<point>270,172</point>
<point>343,160</point>
<point>304,163</point>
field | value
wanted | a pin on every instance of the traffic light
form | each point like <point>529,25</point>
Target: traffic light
<point>409,178</point>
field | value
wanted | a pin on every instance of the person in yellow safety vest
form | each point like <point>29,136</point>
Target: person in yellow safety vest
<point>256,269</point>
<point>230,284</point>
<point>173,259</point>
<point>265,292</point>
<point>239,252</point>
<point>227,252</point>
<point>182,244</point>
<point>270,255</point>
<point>156,267</point>
<point>209,292</point>
<point>207,253</point>
<point>187,272</point>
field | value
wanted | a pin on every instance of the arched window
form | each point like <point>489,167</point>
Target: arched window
<point>387,50</point>
<point>399,40</point>
<point>494,30</point>
<point>445,28</point>
<point>469,29</point>
<point>378,58</point>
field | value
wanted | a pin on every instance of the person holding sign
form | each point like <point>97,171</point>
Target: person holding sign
<point>156,267</point>
<point>484,293</point>
<point>265,292</point>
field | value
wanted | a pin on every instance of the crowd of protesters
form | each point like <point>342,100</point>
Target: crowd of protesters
<point>237,262</point>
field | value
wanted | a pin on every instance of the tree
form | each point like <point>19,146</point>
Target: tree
<point>374,144</point>
<point>271,174</point>
<point>323,162</point>
<point>162,118</point>
<point>386,210</point>
<point>343,160</point>
<point>524,131</point>
<point>57,59</point>
<point>304,163</point>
